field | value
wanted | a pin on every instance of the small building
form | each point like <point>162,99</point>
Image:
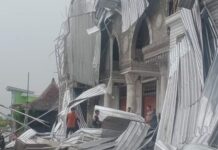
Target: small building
<point>19,99</point>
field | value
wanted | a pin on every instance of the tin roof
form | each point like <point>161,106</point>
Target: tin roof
<point>48,99</point>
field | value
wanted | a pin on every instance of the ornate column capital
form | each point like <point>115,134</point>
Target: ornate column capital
<point>131,78</point>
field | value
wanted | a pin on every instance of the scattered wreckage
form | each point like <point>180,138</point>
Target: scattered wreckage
<point>120,130</point>
<point>189,119</point>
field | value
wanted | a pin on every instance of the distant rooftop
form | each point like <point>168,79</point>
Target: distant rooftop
<point>11,89</point>
<point>48,99</point>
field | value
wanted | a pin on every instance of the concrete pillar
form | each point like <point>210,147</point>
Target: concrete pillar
<point>139,97</point>
<point>115,97</point>
<point>107,100</point>
<point>131,91</point>
<point>90,111</point>
<point>158,95</point>
<point>108,95</point>
<point>163,85</point>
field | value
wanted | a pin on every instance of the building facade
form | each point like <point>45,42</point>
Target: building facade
<point>154,53</point>
<point>131,58</point>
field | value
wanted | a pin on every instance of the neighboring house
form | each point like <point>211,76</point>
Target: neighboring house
<point>47,101</point>
<point>18,101</point>
<point>36,105</point>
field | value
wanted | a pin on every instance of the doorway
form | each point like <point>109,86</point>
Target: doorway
<point>148,96</point>
<point>123,93</point>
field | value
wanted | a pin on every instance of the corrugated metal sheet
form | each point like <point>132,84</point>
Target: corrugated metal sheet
<point>208,112</point>
<point>81,7</point>
<point>194,39</point>
<point>60,129</point>
<point>131,11</point>
<point>212,7</point>
<point>163,146</point>
<point>169,108</point>
<point>137,135</point>
<point>95,91</point>
<point>81,47</point>
<point>111,4</point>
<point>105,112</point>
<point>133,137</point>
<point>197,147</point>
<point>103,143</point>
<point>178,123</point>
<point>10,145</point>
<point>26,137</point>
<point>186,3</point>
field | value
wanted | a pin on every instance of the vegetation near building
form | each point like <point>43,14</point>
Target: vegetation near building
<point>4,122</point>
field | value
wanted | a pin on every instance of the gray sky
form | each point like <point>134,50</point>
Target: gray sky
<point>27,32</point>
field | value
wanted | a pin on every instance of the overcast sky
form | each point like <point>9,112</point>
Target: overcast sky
<point>27,32</point>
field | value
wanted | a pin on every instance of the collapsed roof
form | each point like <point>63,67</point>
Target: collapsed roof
<point>120,130</point>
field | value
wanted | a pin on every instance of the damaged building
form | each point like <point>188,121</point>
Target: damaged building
<point>154,53</point>
<point>130,54</point>
<point>122,44</point>
<point>148,53</point>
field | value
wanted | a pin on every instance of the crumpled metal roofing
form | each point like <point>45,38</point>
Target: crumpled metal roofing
<point>59,129</point>
<point>193,114</point>
<point>186,3</point>
<point>197,147</point>
<point>133,137</point>
<point>26,136</point>
<point>178,120</point>
<point>135,133</point>
<point>78,43</point>
<point>81,7</point>
<point>211,5</point>
<point>105,112</point>
<point>160,145</point>
<point>93,92</point>
<point>208,111</point>
<point>131,11</point>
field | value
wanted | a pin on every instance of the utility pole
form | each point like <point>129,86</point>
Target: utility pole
<point>27,98</point>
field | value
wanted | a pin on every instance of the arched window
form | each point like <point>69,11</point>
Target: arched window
<point>142,38</point>
<point>115,55</point>
<point>143,35</point>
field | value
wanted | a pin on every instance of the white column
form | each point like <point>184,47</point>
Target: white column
<point>158,95</point>
<point>131,91</point>
<point>108,95</point>
<point>115,97</point>
<point>163,85</point>
<point>107,100</point>
<point>139,97</point>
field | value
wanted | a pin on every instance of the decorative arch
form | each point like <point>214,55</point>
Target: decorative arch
<point>116,54</point>
<point>141,38</point>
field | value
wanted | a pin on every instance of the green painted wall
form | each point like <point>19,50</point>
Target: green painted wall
<point>19,99</point>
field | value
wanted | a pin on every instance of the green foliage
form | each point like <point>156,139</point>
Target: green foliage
<point>4,122</point>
